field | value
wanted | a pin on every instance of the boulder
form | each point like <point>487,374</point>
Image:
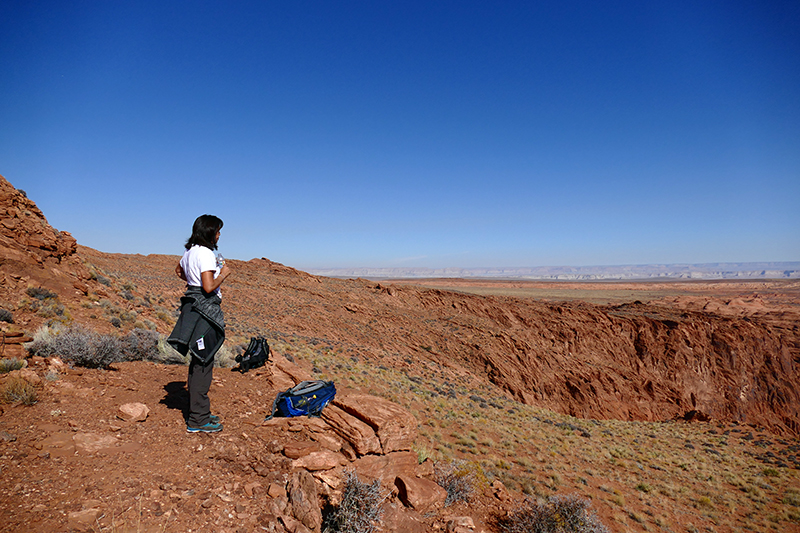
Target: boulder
<point>359,434</point>
<point>500,491</point>
<point>395,426</point>
<point>26,374</point>
<point>302,490</point>
<point>419,493</point>
<point>133,412</point>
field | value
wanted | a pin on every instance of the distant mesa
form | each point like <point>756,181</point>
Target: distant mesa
<point>704,271</point>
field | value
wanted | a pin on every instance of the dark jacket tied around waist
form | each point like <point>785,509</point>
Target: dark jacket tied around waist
<point>201,327</point>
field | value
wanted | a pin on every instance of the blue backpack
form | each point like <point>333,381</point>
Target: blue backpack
<point>306,398</point>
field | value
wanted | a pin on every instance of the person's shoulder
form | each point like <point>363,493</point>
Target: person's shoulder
<point>200,250</point>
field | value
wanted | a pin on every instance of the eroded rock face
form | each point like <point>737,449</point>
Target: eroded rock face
<point>359,434</point>
<point>33,253</point>
<point>395,426</point>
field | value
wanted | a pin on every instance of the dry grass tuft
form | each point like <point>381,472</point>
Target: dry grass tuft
<point>360,510</point>
<point>557,514</point>
<point>17,390</point>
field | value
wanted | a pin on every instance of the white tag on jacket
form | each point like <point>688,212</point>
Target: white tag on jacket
<point>200,344</point>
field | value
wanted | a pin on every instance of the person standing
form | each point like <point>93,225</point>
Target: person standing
<point>200,329</point>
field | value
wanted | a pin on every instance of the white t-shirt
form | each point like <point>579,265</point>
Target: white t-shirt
<point>196,260</point>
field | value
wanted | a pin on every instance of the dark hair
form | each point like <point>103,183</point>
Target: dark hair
<point>204,232</point>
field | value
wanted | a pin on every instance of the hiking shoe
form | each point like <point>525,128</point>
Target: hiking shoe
<point>211,427</point>
<point>214,419</point>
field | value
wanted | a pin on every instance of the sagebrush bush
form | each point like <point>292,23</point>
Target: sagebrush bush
<point>557,514</point>
<point>40,293</point>
<point>360,510</point>
<point>7,365</point>
<point>459,478</point>
<point>79,345</point>
<point>6,316</point>
<point>17,390</point>
<point>86,348</point>
<point>141,345</point>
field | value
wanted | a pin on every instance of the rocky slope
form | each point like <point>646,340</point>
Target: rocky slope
<point>633,361</point>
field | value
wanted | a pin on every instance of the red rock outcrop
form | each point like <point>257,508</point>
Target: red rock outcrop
<point>25,233</point>
<point>33,253</point>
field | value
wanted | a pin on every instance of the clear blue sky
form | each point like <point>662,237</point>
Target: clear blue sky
<point>463,134</point>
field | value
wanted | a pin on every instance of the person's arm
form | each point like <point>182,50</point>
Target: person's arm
<point>179,271</point>
<point>209,283</point>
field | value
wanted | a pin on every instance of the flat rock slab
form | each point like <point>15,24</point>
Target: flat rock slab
<point>358,433</point>
<point>92,442</point>
<point>296,450</point>
<point>321,460</point>
<point>386,467</point>
<point>83,520</point>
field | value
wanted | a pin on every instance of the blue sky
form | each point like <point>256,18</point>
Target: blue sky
<point>434,134</point>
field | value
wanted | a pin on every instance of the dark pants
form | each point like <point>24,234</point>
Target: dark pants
<point>198,383</point>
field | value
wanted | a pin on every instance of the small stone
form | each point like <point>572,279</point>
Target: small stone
<point>250,488</point>
<point>460,524</point>
<point>275,490</point>
<point>133,412</point>
<point>83,520</point>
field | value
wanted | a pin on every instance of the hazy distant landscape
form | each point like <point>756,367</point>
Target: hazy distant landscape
<point>705,271</point>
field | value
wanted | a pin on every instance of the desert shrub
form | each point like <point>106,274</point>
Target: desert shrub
<point>7,365</point>
<point>225,358</point>
<point>40,293</point>
<point>87,348</point>
<point>169,355</point>
<point>459,478</point>
<point>46,304</point>
<point>103,280</point>
<point>6,316</point>
<point>79,345</point>
<point>557,514</point>
<point>141,345</point>
<point>792,497</point>
<point>116,322</point>
<point>360,510</point>
<point>17,390</point>
<point>128,316</point>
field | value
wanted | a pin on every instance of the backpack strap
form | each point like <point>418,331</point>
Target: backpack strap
<point>275,403</point>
